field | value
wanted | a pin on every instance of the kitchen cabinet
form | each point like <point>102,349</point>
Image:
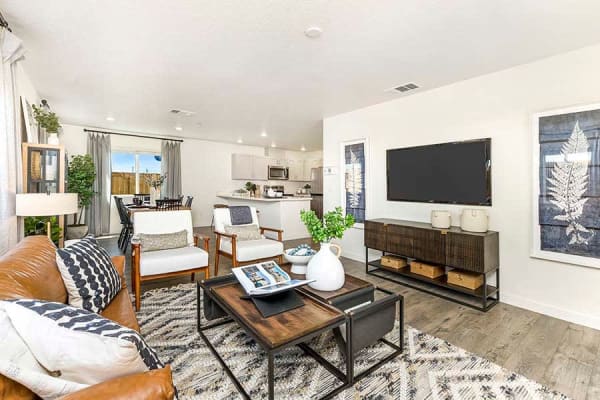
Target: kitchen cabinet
<point>242,166</point>
<point>260,168</point>
<point>296,170</point>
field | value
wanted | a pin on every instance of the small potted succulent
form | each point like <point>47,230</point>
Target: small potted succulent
<point>325,267</point>
<point>251,188</point>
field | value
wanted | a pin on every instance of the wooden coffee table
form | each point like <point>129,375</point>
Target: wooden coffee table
<point>278,332</point>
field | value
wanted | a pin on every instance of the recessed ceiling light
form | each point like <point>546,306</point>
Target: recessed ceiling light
<point>240,141</point>
<point>302,148</point>
<point>313,32</point>
<point>110,119</point>
<point>263,134</point>
<point>273,145</point>
<point>178,128</point>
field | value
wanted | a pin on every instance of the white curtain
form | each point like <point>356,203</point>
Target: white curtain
<point>170,165</point>
<point>11,52</point>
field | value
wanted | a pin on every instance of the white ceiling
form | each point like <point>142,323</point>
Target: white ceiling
<point>245,66</point>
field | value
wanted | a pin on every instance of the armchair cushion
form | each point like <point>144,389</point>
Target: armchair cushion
<point>172,260</point>
<point>163,241</point>
<point>164,222</point>
<point>249,250</point>
<point>222,218</point>
<point>244,232</point>
<point>89,275</point>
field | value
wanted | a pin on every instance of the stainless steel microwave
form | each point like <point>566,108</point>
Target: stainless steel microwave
<point>277,172</point>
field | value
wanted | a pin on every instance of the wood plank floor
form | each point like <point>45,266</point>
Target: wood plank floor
<point>559,354</point>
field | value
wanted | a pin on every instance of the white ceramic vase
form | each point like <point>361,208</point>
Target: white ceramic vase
<point>154,195</point>
<point>53,139</point>
<point>326,269</point>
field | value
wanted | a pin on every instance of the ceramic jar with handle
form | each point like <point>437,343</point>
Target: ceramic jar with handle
<point>326,268</point>
<point>441,219</point>
<point>473,220</point>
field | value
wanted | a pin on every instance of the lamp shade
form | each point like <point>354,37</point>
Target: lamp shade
<point>44,204</point>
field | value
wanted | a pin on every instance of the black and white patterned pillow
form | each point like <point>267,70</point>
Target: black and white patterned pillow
<point>79,346</point>
<point>89,274</point>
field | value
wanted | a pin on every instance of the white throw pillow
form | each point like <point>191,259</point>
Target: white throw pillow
<point>18,363</point>
<point>76,345</point>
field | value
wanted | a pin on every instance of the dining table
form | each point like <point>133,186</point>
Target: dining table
<point>133,208</point>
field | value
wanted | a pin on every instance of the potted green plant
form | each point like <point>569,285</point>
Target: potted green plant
<point>325,268</point>
<point>38,226</point>
<point>47,120</point>
<point>251,188</point>
<point>81,174</point>
<point>306,188</point>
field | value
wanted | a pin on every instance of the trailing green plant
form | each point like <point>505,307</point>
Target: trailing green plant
<point>37,226</point>
<point>332,226</point>
<point>80,179</point>
<point>46,118</point>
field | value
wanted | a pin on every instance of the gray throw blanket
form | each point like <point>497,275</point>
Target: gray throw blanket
<point>240,215</point>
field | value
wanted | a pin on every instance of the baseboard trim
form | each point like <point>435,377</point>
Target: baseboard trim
<point>550,310</point>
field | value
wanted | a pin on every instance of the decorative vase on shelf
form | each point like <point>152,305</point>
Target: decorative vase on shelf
<point>154,195</point>
<point>53,138</point>
<point>326,269</point>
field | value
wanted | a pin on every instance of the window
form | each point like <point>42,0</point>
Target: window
<point>130,172</point>
<point>354,179</point>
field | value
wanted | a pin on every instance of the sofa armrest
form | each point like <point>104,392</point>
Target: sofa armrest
<point>119,263</point>
<point>151,385</point>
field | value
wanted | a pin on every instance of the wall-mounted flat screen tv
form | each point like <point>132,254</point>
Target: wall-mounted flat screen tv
<point>455,173</point>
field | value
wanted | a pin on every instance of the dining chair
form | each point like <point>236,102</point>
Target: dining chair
<point>168,204</point>
<point>126,226</point>
<point>242,252</point>
<point>188,201</point>
<point>160,264</point>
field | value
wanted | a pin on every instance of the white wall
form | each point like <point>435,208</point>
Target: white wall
<point>205,166</point>
<point>500,106</point>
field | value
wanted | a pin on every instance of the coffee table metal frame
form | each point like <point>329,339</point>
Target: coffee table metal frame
<point>232,316</point>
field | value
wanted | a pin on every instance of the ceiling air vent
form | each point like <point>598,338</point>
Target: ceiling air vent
<point>406,88</point>
<point>185,113</point>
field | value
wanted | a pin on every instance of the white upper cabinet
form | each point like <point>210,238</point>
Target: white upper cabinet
<point>260,168</point>
<point>242,166</point>
<point>296,170</point>
<point>251,167</point>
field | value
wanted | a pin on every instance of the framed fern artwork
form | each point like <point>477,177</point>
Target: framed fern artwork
<point>566,177</point>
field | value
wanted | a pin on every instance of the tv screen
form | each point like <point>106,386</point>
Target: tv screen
<point>456,173</point>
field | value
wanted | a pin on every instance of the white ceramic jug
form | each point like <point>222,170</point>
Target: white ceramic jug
<point>441,219</point>
<point>326,269</point>
<point>472,220</point>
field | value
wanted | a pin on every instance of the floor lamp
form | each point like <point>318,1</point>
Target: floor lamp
<point>46,204</point>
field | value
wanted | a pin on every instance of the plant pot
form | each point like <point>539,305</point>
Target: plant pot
<point>53,138</point>
<point>76,231</point>
<point>326,269</point>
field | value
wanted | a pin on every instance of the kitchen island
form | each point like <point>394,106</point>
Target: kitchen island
<point>280,213</point>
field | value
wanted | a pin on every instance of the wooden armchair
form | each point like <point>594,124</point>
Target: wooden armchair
<point>152,265</point>
<point>243,252</point>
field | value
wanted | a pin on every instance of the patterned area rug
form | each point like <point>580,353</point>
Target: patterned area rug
<point>430,368</point>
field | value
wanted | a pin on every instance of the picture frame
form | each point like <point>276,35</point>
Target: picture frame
<point>566,185</point>
<point>30,124</point>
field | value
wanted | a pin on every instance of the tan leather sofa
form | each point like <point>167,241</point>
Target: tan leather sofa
<point>30,271</point>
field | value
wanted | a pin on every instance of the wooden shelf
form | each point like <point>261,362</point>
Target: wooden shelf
<point>438,286</point>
